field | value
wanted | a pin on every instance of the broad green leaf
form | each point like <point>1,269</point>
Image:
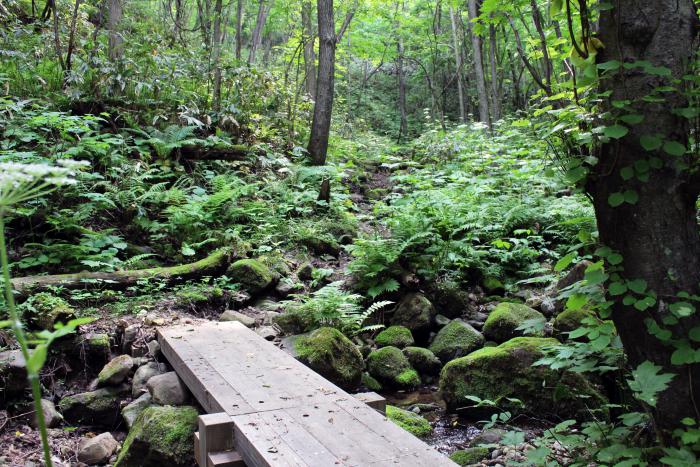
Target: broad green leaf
<point>674,148</point>
<point>650,142</point>
<point>682,309</point>
<point>694,334</point>
<point>632,119</point>
<point>637,285</point>
<point>616,131</point>
<point>555,6</point>
<point>631,197</point>
<point>617,288</point>
<point>647,382</point>
<point>616,199</point>
<point>683,355</point>
<point>610,65</point>
<point>565,261</point>
<point>37,359</point>
<point>576,302</point>
<point>627,173</point>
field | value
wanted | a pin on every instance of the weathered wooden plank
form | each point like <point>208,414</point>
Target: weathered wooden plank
<point>215,435</point>
<point>373,400</point>
<point>225,459</point>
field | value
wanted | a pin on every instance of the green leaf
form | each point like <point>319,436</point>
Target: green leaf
<point>565,261</point>
<point>615,131</point>
<point>576,174</point>
<point>682,309</point>
<point>650,142</point>
<point>637,285</point>
<point>674,148</point>
<point>694,334</point>
<point>627,173</point>
<point>576,302</point>
<point>683,355</point>
<point>632,119</point>
<point>37,359</point>
<point>615,259</point>
<point>616,199</point>
<point>610,65</point>
<point>631,197</point>
<point>647,382</point>
<point>555,7</point>
<point>617,288</point>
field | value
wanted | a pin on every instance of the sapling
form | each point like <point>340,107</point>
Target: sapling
<point>20,183</point>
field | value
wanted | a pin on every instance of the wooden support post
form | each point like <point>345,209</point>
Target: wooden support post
<point>215,436</point>
<point>374,400</point>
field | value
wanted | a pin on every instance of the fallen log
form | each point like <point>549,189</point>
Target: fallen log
<point>236,152</point>
<point>212,264</point>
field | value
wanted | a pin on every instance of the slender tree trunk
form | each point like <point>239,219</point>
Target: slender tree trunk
<point>403,125</point>
<point>458,64</point>
<point>479,67</point>
<point>216,54</point>
<point>493,64</point>
<point>263,10</point>
<point>658,236</point>
<point>309,39</point>
<point>321,124</point>
<point>71,39</point>
<point>115,40</point>
<point>546,62</point>
<point>56,36</point>
<point>239,28</point>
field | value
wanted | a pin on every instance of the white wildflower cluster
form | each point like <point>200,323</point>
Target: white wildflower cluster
<point>22,182</point>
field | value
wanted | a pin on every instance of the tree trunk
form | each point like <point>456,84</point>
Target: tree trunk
<point>403,125</point>
<point>309,39</point>
<point>546,62</point>
<point>658,236</point>
<point>216,55</point>
<point>479,67</point>
<point>239,28</point>
<point>493,64</point>
<point>115,42</point>
<point>458,64</point>
<point>321,125</point>
<point>71,40</point>
<point>263,10</point>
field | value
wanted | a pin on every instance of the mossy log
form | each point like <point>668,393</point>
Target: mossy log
<point>214,263</point>
<point>236,152</point>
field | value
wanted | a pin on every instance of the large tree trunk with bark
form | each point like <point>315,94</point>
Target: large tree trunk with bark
<point>239,28</point>
<point>309,39</point>
<point>325,84</point>
<point>115,41</point>
<point>493,65</point>
<point>216,54</point>
<point>403,124</point>
<point>477,45</point>
<point>658,236</point>
<point>263,10</point>
<point>458,64</point>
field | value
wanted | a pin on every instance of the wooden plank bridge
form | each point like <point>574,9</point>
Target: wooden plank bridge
<point>267,409</point>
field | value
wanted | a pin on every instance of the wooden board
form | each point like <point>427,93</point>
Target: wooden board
<point>284,414</point>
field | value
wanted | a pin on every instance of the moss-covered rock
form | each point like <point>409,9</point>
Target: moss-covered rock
<point>569,320</point>
<point>100,407</point>
<point>409,421</point>
<point>506,372</point>
<point>370,383</point>
<point>160,436</point>
<point>416,313</point>
<point>503,321</point>
<point>43,310</point>
<point>450,298</point>
<point>13,374</point>
<point>423,360</point>
<point>469,456</point>
<point>493,285</point>
<point>253,275</point>
<point>294,322</point>
<point>116,370</point>
<point>455,340</point>
<point>391,367</point>
<point>397,336</point>
<point>196,295</point>
<point>328,352</point>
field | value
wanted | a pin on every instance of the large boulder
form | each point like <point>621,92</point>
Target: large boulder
<point>167,389</point>
<point>43,310</point>
<point>409,421</point>
<point>253,275</point>
<point>131,411</point>
<point>504,320</point>
<point>391,367</point>
<point>416,313</point>
<point>98,449</point>
<point>51,416</point>
<point>504,373</point>
<point>451,299</point>
<point>232,315</point>
<point>13,374</point>
<point>331,354</point>
<point>100,407</point>
<point>116,370</point>
<point>569,320</point>
<point>423,360</point>
<point>397,336</point>
<point>455,340</point>
<point>294,321</point>
<point>160,436</point>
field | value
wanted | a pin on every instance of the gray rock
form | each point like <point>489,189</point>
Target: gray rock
<point>153,348</point>
<point>97,450</point>
<point>134,408</point>
<point>456,340</point>
<point>231,315</point>
<point>143,374</point>
<point>442,320</point>
<point>416,313</point>
<point>51,416</point>
<point>284,288</point>
<point>167,389</point>
<point>490,436</point>
<point>131,333</point>
<point>99,407</point>
<point>305,271</point>
<point>13,373</point>
<point>269,333</point>
<point>115,371</point>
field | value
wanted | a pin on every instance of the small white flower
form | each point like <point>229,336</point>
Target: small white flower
<point>23,182</point>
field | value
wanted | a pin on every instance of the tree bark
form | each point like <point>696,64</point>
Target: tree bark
<point>493,65</point>
<point>263,10</point>
<point>309,39</point>
<point>546,62</point>
<point>658,236</point>
<point>115,40</point>
<point>71,40</point>
<point>321,124</point>
<point>403,124</point>
<point>239,28</point>
<point>479,66</point>
<point>216,55</point>
<point>458,64</point>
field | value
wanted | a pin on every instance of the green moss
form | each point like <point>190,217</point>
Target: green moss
<point>370,383</point>
<point>423,360</point>
<point>504,320</point>
<point>455,340</point>
<point>100,407</point>
<point>253,275</point>
<point>397,336</point>
<point>117,369</point>
<point>334,356</point>
<point>450,298</point>
<point>409,421</point>
<point>568,320</point>
<point>198,295</point>
<point>391,367</point>
<point>160,436</point>
<point>469,456</point>
<point>493,285</point>
<point>294,322</point>
<point>416,313</point>
<point>503,373</point>
<point>43,310</point>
